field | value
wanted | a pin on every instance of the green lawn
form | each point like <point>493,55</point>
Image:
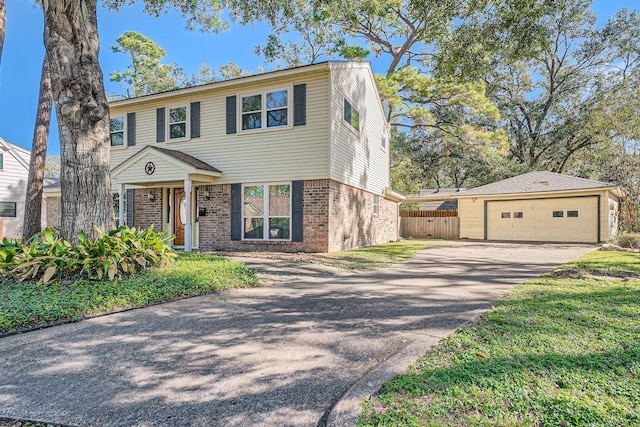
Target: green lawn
<point>378,256</point>
<point>553,352</point>
<point>28,305</point>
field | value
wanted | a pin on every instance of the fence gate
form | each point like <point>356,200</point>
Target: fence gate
<point>426,225</point>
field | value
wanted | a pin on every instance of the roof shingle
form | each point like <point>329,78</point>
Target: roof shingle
<point>536,182</point>
<point>188,159</point>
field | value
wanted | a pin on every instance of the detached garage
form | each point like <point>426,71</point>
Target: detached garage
<point>540,206</point>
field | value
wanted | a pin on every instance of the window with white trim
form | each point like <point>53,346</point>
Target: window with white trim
<point>351,115</point>
<point>8,209</point>
<point>1,161</point>
<point>116,131</point>
<point>267,212</point>
<point>177,122</point>
<point>268,109</point>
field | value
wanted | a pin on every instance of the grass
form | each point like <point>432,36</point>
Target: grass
<point>378,256</point>
<point>553,352</point>
<point>28,305</point>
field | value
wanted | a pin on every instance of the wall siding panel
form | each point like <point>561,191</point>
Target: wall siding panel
<point>357,158</point>
<point>286,154</point>
<point>13,188</point>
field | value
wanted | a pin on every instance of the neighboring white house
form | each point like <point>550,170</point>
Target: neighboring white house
<point>14,171</point>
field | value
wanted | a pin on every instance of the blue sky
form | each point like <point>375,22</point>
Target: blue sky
<point>23,53</point>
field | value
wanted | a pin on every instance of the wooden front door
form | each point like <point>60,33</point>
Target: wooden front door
<point>179,215</point>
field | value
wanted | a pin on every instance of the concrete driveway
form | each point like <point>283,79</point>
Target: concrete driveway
<point>300,353</point>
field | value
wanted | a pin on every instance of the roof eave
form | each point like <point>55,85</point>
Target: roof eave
<point>394,196</point>
<point>222,84</point>
<point>540,193</point>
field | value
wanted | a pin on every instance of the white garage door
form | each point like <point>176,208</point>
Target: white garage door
<point>572,219</point>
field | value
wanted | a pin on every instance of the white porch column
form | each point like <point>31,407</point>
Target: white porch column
<point>187,225</point>
<point>121,194</point>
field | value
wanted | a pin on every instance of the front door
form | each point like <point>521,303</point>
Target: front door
<point>179,215</point>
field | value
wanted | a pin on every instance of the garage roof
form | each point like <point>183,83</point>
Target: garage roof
<point>536,182</point>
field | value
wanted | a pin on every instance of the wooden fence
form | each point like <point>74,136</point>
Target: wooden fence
<point>430,214</point>
<point>425,227</point>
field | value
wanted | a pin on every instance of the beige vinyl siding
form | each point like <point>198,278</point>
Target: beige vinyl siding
<point>471,213</point>
<point>357,158</point>
<point>165,170</point>
<point>13,188</point>
<point>285,154</point>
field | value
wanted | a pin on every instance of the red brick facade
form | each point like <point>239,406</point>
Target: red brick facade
<point>353,223</point>
<point>147,212</point>
<point>336,217</point>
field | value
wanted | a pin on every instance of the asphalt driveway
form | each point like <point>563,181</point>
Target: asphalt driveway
<point>300,353</point>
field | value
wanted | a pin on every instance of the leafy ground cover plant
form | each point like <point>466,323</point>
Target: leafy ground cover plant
<point>553,352</point>
<point>26,305</point>
<point>48,257</point>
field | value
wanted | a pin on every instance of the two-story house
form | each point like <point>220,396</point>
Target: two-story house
<point>291,160</point>
<point>14,172</point>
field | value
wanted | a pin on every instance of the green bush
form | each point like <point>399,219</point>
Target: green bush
<point>121,251</point>
<point>628,240</point>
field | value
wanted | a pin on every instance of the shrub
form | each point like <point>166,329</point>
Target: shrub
<point>628,240</point>
<point>121,251</point>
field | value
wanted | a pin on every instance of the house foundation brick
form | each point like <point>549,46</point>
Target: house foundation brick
<point>336,217</point>
<point>353,223</point>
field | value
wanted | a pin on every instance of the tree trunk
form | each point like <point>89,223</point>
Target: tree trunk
<point>3,25</point>
<point>71,39</point>
<point>33,202</point>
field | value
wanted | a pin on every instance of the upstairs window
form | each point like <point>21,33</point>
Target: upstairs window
<point>1,161</point>
<point>351,115</point>
<point>116,132</point>
<point>177,122</point>
<point>252,112</point>
<point>265,110</point>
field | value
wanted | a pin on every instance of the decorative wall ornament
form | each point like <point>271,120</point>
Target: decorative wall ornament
<point>149,168</point>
